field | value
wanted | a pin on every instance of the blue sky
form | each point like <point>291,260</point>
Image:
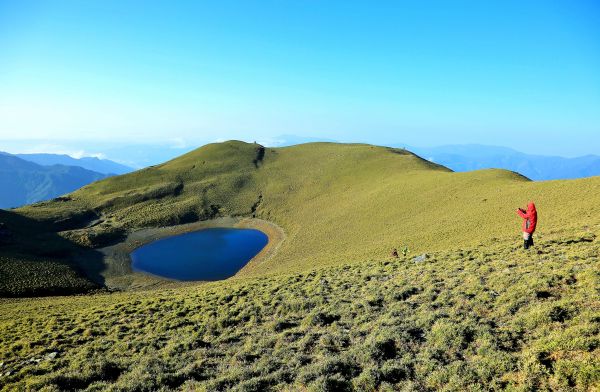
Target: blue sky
<point>523,74</point>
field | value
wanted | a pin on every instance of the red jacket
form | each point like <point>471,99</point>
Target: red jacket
<point>529,218</point>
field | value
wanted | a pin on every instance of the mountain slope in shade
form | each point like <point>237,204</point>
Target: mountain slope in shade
<point>462,158</point>
<point>103,166</point>
<point>24,182</point>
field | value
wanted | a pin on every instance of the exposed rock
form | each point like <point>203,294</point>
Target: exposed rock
<point>51,355</point>
<point>420,258</point>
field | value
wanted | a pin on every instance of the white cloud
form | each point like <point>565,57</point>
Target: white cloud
<point>178,143</point>
<point>272,142</point>
<point>85,154</point>
<point>57,149</point>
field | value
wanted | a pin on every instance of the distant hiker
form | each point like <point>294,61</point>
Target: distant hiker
<point>395,253</point>
<point>529,223</point>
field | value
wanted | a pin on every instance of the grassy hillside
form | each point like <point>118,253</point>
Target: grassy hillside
<point>492,317</point>
<point>329,310</point>
<point>335,202</point>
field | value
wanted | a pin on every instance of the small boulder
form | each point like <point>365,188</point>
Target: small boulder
<point>420,258</point>
<point>51,356</point>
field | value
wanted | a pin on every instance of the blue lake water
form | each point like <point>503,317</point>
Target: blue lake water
<point>210,254</point>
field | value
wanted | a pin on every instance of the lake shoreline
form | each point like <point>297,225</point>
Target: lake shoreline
<point>119,275</point>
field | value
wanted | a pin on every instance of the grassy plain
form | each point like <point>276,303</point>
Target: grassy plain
<point>490,317</point>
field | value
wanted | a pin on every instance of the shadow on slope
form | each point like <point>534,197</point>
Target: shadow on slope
<point>36,261</point>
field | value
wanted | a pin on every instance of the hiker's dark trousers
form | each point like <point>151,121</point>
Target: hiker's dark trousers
<point>527,242</point>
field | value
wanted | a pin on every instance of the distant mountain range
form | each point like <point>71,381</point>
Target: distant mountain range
<point>536,167</point>
<point>104,166</point>
<point>23,182</point>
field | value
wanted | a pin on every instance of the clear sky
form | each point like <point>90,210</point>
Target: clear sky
<point>523,74</point>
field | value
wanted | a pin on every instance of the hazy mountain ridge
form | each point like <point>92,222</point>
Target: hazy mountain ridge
<point>23,182</point>
<point>470,157</point>
<point>103,166</point>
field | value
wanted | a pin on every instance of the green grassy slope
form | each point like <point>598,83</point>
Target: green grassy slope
<point>492,317</point>
<point>335,202</point>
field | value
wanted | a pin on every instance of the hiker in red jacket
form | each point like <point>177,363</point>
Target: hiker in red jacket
<point>529,223</point>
